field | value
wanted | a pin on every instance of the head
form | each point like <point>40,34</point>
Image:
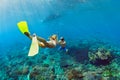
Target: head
<point>53,37</point>
<point>62,38</point>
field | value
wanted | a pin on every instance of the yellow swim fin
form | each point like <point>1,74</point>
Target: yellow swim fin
<point>34,48</point>
<point>23,27</point>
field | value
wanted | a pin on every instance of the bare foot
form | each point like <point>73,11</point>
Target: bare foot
<point>66,50</point>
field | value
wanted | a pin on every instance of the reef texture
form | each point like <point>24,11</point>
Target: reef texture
<point>86,60</point>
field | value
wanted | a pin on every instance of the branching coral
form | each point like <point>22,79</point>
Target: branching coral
<point>101,56</point>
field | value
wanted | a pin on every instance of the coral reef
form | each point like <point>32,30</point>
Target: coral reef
<point>101,56</point>
<point>74,74</point>
<point>78,64</point>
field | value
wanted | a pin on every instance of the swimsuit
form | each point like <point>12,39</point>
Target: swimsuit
<point>62,48</point>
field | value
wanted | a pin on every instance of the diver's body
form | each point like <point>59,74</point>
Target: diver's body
<point>43,43</point>
<point>62,44</point>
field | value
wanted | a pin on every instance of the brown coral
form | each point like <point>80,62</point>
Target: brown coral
<point>74,74</point>
<point>101,56</point>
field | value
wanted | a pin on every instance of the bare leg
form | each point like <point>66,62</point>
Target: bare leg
<point>41,44</point>
<point>41,39</point>
<point>38,38</point>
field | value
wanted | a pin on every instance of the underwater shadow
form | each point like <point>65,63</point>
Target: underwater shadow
<point>79,54</point>
<point>51,17</point>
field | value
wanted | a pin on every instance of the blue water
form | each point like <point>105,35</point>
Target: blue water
<point>73,19</point>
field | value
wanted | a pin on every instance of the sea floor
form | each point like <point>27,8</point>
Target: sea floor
<point>51,64</point>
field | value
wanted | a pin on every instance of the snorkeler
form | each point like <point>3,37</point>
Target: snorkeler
<point>42,42</point>
<point>36,41</point>
<point>23,27</point>
<point>62,44</point>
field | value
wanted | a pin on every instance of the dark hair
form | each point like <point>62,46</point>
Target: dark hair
<point>62,38</point>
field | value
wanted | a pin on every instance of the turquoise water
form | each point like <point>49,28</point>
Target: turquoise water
<point>82,18</point>
<point>74,19</point>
